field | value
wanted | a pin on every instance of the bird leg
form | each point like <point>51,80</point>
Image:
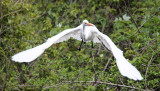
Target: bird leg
<point>80,45</point>
<point>92,44</point>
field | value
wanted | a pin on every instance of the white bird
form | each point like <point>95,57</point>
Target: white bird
<point>84,32</point>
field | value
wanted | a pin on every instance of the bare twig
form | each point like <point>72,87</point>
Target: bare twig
<point>99,49</point>
<point>11,13</point>
<point>26,86</point>
<point>95,73</point>
<point>0,9</point>
<point>107,64</point>
<point>7,72</point>
<point>57,85</point>
<point>147,46</point>
<point>71,82</point>
<point>146,21</point>
<point>121,80</point>
<point>25,22</point>
<point>16,3</point>
<point>147,71</point>
<point>131,15</point>
<point>99,82</point>
<point>93,62</point>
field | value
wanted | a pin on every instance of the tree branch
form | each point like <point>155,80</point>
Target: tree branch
<point>10,13</point>
<point>99,82</point>
<point>147,71</point>
<point>146,21</point>
<point>71,82</point>
<point>107,63</point>
<point>130,15</point>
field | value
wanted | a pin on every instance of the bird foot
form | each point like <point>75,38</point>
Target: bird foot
<point>92,46</point>
<point>79,49</point>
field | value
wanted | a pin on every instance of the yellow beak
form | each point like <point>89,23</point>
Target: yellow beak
<point>89,24</point>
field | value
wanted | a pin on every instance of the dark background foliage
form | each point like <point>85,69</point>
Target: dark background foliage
<point>27,23</point>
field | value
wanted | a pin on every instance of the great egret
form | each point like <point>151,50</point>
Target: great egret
<point>84,32</point>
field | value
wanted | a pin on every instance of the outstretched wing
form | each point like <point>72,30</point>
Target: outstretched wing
<point>31,54</point>
<point>125,68</point>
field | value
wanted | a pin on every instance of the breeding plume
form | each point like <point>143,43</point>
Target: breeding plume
<point>84,32</point>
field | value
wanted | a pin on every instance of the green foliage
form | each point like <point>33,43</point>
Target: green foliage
<point>133,25</point>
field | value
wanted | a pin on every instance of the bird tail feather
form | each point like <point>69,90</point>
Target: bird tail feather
<point>29,55</point>
<point>127,69</point>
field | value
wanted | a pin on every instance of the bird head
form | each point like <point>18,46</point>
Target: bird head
<point>86,23</point>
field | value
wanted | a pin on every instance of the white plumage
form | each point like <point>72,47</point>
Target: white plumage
<point>86,32</point>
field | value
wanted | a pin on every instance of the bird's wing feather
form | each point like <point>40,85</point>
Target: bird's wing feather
<point>31,54</point>
<point>64,36</point>
<point>125,68</point>
<point>67,34</point>
<point>96,40</point>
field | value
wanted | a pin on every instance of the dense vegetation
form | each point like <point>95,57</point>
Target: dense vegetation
<point>133,25</point>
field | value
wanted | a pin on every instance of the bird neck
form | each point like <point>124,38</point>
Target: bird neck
<point>82,33</point>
